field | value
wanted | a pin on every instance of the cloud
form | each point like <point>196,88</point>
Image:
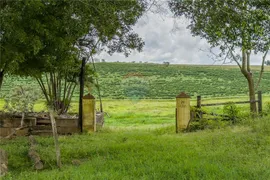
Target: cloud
<point>168,39</point>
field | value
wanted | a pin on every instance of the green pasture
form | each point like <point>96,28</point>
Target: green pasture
<point>234,152</point>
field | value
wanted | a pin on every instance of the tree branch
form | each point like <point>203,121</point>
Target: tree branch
<point>235,59</point>
<point>262,70</point>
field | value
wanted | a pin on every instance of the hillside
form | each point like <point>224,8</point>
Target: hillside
<point>143,80</point>
<point>160,81</point>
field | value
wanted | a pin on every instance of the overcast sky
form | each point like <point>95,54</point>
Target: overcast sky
<point>164,43</point>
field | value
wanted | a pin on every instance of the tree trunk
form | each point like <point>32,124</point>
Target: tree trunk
<point>246,71</point>
<point>82,74</point>
<point>1,78</point>
<point>252,96</point>
<point>56,142</point>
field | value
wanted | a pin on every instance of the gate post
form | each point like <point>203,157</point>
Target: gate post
<point>182,111</point>
<point>89,114</point>
<point>260,102</point>
<point>199,106</point>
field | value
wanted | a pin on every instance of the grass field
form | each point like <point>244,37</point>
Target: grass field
<point>139,142</point>
<point>237,152</point>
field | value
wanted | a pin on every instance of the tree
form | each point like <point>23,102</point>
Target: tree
<point>44,36</point>
<point>267,63</point>
<point>233,26</point>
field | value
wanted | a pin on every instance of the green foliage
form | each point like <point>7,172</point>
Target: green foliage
<point>228,24</point>
<point>68,24</point>
<point>231,111</point>
<point>204,124</point>
<point>21,99</point>
<point>135,87</point>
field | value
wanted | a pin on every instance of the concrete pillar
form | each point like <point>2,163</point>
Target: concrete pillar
<point>182,111</point>
<point>89,114</point>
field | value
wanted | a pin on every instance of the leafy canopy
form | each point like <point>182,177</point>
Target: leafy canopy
<point>40,35</point>
<point>228,24</point>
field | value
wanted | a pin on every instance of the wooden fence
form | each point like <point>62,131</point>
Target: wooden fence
<point>200,105</point>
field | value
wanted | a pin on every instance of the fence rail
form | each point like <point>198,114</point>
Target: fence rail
<point>259,101</point>
<point>239,102</point>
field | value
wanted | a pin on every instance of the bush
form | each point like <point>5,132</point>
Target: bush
<point>231,111</point>
<point>21,99</point>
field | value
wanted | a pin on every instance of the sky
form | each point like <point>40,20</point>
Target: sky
<point>168,40</point>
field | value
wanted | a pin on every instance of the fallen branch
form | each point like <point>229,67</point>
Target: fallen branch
<point>38,164</point>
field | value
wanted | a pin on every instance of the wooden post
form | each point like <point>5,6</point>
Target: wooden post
<point>176,121</point>
<point>199,106</point>
<point>260,102</point>
<point>199,101</point>
<point>182,111</point>
<point>3,163</point>
<point>56,143</point>
<point>89,114</point>
<point>80,124</point>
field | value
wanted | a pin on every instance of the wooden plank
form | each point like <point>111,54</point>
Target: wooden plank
<point>43,121</point>
<point>5,131</point>
<point>67,122</point>
<point>16,122</point>
<point>218,104</point>
<point>60,122</point>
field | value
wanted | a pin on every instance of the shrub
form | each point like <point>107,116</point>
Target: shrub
<point>231,111</point>
<point>21,99</point>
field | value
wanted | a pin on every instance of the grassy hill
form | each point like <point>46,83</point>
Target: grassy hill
<point>167,82</point>
<point>126,80</point>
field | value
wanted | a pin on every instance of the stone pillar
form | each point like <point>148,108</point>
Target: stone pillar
<point>182,111</point>
<point>89,114</point>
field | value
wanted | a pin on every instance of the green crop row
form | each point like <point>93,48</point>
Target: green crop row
<point>154,81</point>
